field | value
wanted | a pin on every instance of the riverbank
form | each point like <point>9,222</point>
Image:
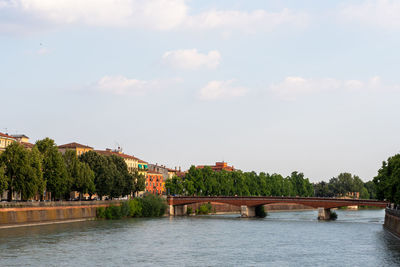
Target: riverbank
<point>16,214</point>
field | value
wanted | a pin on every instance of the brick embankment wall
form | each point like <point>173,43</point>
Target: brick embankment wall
<point>220,207</point>
<point>392,221</point>
<point>17,213</point>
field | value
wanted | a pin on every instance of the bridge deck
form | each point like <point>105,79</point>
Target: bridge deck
<point>314,202</point>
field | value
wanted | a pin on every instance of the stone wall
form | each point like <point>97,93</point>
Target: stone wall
<point>392,221</point>
<point>15,213</point>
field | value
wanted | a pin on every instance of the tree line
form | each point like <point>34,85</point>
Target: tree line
<point>206,182</point>
<point>345,184</point>
<point>44,169</point>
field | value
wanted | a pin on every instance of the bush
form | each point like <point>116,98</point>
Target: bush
<point>189,210</point>
<point>135,208</point>
<point>101,212</point>
<point>125,209</point>
<point>204,209</point>
<point>153,206</point>
<point>333,215</point>
<point>260,212</point>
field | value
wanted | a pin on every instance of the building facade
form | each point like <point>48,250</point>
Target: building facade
<point>131,161</point>
<point>79,148</point>
<point>219,166</point>
<point>155,183</point>
<point>5,141</point>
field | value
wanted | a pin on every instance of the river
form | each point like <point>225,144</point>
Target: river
<point>357,238</point>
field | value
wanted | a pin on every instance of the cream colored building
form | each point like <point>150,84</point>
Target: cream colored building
<point>130,161</point>
<point>5,141</point>
<point>79,148</point>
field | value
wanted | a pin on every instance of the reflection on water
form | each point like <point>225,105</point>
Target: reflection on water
<point>357,238</point>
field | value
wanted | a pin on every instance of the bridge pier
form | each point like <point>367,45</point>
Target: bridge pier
<point>324,214</point>
<point>246,211</point>
<point>177,210</point>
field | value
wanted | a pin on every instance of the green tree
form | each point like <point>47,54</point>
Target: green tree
<point>139,182</point>
<point>3,179</point>
<point>22,171</point>
<point>54,169</point>
<point>388,180</point>
<point>80,174</point>
<point>370,186</point>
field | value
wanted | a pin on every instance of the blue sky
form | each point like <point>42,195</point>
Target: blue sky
<point>271,86</point>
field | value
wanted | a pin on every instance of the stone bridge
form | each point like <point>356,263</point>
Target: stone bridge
<point>178,204</point>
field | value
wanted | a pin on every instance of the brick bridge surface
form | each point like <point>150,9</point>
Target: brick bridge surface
<point>315,202</point>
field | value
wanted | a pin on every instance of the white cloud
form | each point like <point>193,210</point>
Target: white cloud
<point>192,59</point>
<point>379,13</point>
<point>215,90</point>
<point>148,14</point>
<point>293,87</point>
<point>120,85</point>
<point>256,20</point>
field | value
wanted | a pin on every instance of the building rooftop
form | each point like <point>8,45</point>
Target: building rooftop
<point>19,136</point>
<point>153,172</point>
<point>6,136</point>
<point>74,145</point>
<point>116,153</point>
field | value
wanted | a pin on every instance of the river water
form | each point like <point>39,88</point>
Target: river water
<point>357,238</point>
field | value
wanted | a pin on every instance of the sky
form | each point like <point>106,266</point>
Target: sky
<point>275,86</point>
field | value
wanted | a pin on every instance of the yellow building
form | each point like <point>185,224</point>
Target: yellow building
<point>130,161</point>
<point>23,140</point>
<point>5,141</point>
<point>142,167</point>
<point>79,148</point>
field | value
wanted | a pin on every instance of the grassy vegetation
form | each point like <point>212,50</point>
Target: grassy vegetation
<point>333,215</point>
<point>204,209</point>
<point>148,206</point>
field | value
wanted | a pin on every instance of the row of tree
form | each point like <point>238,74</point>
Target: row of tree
<point>345,184</point>
<point>44,169</point>
<point>206,182</point>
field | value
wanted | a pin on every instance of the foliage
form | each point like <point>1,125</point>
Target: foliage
<point>153,206</point>
<point>206,182</point>
<point>388,180</point>
<point>80,174</point>
<point>22,171</point>
<point>260,211</point>
<point>149,206</point>
<point>189,210</point>
<point>139,182</point>
<point>3,179</point>
<point>342,185</point>
<point>54,170</point>
<point>333,215</point>
<point>204,209</point>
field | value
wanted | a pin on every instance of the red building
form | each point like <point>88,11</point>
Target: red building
<point>155,183</point>
<point>219,166</point>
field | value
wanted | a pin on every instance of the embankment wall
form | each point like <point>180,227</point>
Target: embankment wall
<point>21,213</point>
<point>392,221</point>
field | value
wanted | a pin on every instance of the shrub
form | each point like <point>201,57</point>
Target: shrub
<point>153,206</point>
<point>260,212</point>
<point>101,212</point>
<point>135,208</point>
<point>333,215</point>
<point>204,209</point>
<point>125,209</point>
<point>189,210</point>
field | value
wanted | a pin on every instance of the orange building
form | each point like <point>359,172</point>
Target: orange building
<point>219,166</point>
<point>155,183</point>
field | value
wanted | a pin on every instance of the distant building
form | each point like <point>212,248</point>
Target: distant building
<point>142,167</point>
<point>167,173</point>
<point>79,148</point>
<point>155,183</point>
<point>219,166</point>
<point>131,161</point>
<point>5,141</point>
<point>23,140</point>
